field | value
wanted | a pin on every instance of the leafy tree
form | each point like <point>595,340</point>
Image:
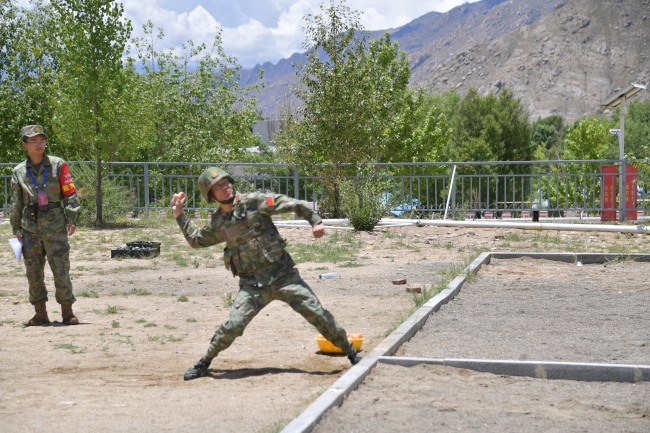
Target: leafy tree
<point>192,106</point>
<point>589,138</point>
<point>352,91</point>
<point>547,137</point>
<point>490,128</point>
<point>89,41</point>
<point>421,131</point>
<point>26,75</point>
<point>637,129</point>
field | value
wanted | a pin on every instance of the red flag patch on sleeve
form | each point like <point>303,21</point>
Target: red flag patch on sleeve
<point>269,201</point>
<point>65,180</point>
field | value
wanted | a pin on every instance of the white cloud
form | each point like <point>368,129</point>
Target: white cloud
<point>256,31</point>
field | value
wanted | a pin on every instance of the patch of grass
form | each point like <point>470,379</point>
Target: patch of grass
<point>447,275</point>
<point>540,242</point>
<point>123,269</point>
<point>191,320</point>
<point>619,249</point>
<point>6,294</point>
<point>170,327</point>
<point>139,292</point>
<point>140,321</point>
<point>126,339</point>
<point>69,346</point>
<point>340,247</point>
<point>228,299</point>
<point>389,234</point>
<point>115,324</point>
<point>180,259</point>
<point>88,294</point>
<point>162,339</point>
<point>105,239</point>
<point>111,309</point>
<point>182,298</point>
<point>151,325</point>
<point>276,427</point>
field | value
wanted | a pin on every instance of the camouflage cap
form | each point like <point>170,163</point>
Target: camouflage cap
<point>32,131</point>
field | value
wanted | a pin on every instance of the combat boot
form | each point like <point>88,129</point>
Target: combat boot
<point>40,317</point>
<point>199,369</point>
<point>354,357</point>
<point>68,316</point>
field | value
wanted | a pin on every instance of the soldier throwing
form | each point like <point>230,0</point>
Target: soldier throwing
<point>43,213</point>
<point>255,252</point>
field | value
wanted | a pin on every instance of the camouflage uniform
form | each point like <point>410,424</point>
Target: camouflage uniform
<point>256,253</point>
<point>43,228</point>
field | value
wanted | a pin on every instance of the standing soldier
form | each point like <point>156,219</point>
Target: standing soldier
<point>255,252</point>
<point>44,208</point>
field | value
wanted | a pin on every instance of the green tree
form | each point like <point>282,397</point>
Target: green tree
<point>350,89</point>
<point>547,137</point>
<point>637,129</point>
<point>490,128</point>
<point>420,131</point>
<point>353,92</point>
<point>27,69</point>
<point>586,139</point>
<point>193,108</point>
<point>90,41</point>
<point>589,138</point>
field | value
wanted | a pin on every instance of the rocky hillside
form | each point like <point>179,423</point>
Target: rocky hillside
<point>561,57</point>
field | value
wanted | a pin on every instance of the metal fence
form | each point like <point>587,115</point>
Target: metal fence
<point>430,190</point>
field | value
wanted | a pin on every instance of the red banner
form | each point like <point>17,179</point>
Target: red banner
<point>609,193</point>
<point>631,175</point>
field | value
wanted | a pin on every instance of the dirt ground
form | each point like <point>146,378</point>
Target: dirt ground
<point>145,321</point>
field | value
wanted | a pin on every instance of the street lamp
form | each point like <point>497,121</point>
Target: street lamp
<point>620,99</point>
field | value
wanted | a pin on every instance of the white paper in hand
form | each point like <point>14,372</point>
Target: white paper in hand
<point>17,246</point>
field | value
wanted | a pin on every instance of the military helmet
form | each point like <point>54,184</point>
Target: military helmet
<point>208,178</point>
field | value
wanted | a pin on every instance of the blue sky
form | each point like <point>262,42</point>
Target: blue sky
<point>258,31</point>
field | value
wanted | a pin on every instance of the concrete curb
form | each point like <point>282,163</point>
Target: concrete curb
<point>335,394</point>
<point>582,371</point>
<point>584,258</point>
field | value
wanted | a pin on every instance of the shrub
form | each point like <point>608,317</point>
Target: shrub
<point>114,203</point>
<point>363,198</point>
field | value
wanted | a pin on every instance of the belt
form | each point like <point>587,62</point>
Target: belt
<point>51,205</point>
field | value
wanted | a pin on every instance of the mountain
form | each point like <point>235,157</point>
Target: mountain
<point>560,57</point>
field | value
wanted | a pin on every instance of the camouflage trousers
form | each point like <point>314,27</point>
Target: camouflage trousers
<point>293,290</point>
<point>55,247</point>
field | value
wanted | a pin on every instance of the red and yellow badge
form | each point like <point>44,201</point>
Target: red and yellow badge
<point>269,201</point>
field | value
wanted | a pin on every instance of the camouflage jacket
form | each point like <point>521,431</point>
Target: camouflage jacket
<point>63,202</point>
<point>254,248</point>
